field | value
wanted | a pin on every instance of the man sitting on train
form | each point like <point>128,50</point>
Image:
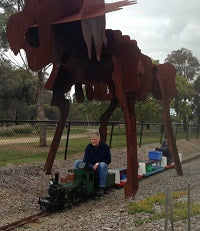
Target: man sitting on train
<point>165,151</point>
<point>97,157</point>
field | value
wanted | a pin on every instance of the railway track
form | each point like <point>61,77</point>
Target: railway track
<point>24,221</point>
<point>39,215</point>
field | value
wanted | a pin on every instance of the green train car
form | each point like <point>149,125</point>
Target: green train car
<point>64,195</point>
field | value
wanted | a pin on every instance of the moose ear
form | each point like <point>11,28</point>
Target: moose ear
<point>16,39</point>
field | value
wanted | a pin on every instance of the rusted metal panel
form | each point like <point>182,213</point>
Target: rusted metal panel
<point>97,92</point>
<point>127,105</point>
<point>51,80</point>
<point>166,77</point>
<point>170,135</point>
<point>79,93</point>
<point>100,92</point>
<point>89,92</point>
<point>129,55</point>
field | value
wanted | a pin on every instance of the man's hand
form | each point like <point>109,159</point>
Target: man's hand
<point>95,166</point>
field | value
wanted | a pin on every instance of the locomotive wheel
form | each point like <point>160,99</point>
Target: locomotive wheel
<point>43,208</point>
<point>76,199</point>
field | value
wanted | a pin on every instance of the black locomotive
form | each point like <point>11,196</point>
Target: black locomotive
<point>64,194</point>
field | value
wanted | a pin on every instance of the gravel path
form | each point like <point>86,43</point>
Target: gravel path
<point>21,186</point>
<point>22,140</point>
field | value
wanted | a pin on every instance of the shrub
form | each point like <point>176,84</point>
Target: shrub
<point>16,129</point>
<point>23,129</point>
<point>6,131</point>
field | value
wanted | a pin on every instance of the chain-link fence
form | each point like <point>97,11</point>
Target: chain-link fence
<point>20,140</point>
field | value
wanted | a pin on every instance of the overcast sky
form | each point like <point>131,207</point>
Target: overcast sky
<point>160,26</point>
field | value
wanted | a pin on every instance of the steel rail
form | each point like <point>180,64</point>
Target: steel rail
<point>24,221</point>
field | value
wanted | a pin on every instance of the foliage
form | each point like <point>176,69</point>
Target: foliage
<point>92,111</point>
<point>149,111</point>
<point>6,132</point>
<point>183,100</point>
<point>149,207</point>
<point>196,105</point>
<point>186,64</point>
<point>15,130</point>
<point>51,112</point>
<point>187,102</point>
<point>8,7</point>
<point>17,91</point>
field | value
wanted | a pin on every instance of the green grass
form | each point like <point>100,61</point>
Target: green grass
<point>30,152</point>
<point>18,157</point>
<point>148,207</point>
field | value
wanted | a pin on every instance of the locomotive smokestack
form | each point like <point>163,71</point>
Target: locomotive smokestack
<point>56,177</point>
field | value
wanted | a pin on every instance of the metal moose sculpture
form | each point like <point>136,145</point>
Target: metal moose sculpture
<point>71,35</point>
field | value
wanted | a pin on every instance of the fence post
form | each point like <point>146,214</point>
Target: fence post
<point>188,128</point>
<point>197,136</point>
<point>189,208</point>
<point>161,132</point>
<point>171,209</point>
<point>176,131</point>
<point>141,134</point>
<point>111,134</point>
<point>166,209</point>
<point>67,140</point>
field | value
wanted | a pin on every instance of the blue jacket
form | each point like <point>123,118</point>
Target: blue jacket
<point>97,154</point>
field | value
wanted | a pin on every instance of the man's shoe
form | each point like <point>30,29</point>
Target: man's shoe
<point>100,192</point>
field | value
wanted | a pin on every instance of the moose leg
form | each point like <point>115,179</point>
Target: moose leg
<point>131,186</point>
<point>105,117</point>
<point>63,105</point>
<point>170,136</point>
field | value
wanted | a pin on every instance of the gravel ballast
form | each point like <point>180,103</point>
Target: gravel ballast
<point>21,186</point>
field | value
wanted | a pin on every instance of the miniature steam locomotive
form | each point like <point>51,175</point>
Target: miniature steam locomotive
<point>82,184</point>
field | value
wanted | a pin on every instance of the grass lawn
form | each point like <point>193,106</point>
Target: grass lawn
<point>27,152</point>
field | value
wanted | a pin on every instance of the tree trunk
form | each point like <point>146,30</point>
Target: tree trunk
<point>198,117</point>
<point>12,111</point>
<point>40,109</point>
<point>184,123</point>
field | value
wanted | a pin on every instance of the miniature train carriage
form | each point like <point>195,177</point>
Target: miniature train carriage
<point>82,183</point>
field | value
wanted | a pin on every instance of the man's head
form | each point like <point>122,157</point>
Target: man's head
<point>95,139</point>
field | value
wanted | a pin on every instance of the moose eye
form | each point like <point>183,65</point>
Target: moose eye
<point>32,37</point>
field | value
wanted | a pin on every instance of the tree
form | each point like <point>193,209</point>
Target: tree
<point>17,91</point>
<point>185,63</point>
<point>183,100</point>
<point>149,111</point>
<point>91,110</point>
<point>188,68</point>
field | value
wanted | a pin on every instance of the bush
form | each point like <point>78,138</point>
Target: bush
<point>16,129</point>
<point>23,129</point>
<point>6,131</point>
